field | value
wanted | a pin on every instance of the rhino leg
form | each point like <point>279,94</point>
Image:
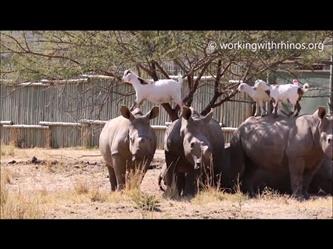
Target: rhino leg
<point>190,187</point>
<point>306,182</point>
<point>170,167</point>
<point>162,176</point>
<point>119,167</point>
<point>248,185</point>
<point>180,182</point>
<point>296,170</point>
<point>112,178</point>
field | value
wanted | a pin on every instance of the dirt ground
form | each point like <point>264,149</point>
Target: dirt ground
<point>73,183</point>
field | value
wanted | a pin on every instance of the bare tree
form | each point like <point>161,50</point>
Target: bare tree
<point>64,54</point>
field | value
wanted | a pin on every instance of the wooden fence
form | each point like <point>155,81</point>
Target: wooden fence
<point>55,113</point>
<point>59,134</point>
<point>97,99</point>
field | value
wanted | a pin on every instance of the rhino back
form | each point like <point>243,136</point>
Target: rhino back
<point>173,142</point>
<point>264,140</point>
<point>114,137</point>
<point>302,139</point>
<point>215,136</point>
<point>216,139</point>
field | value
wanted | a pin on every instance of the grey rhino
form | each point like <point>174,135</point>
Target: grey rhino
<point>126,142</point>
<point>322,182</point>
<point>281,146</point>
<point>194,147</point>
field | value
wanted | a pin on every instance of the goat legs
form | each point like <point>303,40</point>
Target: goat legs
<point>262,109</point>
<point>297,108</point>
<point>275,107</point>
<point>133,106</point>
<point>136,104</point>
<point>257,109</point>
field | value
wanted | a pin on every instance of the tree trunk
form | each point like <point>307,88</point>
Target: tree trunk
<point>173,113</point>
<point>207,109</point>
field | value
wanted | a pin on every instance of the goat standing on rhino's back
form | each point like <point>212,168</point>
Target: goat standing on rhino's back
<point>259,96</point>
<point>283,93</point>
<point>158,92</point>
<point>282,146</point>
<point>128,142</point>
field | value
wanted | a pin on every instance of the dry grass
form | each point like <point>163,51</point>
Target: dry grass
<point>3,193</point>
<point>214,194</point>
<point>81,194</point>
<point>98,196</point>
<point>7,150</point>
<point>318,203</point>
<point>18,205</point>
<point>84,190</point>
<point>211,194</point>
<point>53,166</point>
<point>144,201</point>
<point>208,195</point>
<point>133,180</point>
<point>6,175</point>
<point>269,194</point>
<point>81,186</point>
<point>50,167</point>
<point>135,176</point>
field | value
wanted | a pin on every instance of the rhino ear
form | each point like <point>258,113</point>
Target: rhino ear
<point>209,116</point>
<point>125,112</point>
<point>153,113</point>
<point>186,113</point>
<point>320,113</point>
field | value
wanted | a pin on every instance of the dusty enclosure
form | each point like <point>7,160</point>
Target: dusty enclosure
<point>73,183</point>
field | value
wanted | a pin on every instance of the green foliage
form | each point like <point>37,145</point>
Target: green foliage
<point>33,55</point>
<point>65,54</point>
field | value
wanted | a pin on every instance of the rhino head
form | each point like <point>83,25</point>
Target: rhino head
<point>142,139</point>
<point>197,148</point>
<point>325,129</point>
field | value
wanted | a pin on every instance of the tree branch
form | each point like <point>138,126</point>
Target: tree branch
<point>40,54</point>
<point>227,98</point>
<point>161,69</point>
<point>181,65</point>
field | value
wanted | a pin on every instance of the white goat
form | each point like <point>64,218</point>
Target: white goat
<point>259,96</point>
<point>158,92</point>
<point>283,93</point>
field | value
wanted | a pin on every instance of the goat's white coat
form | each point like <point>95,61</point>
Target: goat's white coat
<point>281,93</point>
<point>158,92</point>
<point>258,95</point>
